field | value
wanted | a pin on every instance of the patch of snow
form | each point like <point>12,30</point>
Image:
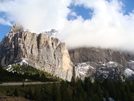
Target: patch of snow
<point>104,64</point>
<point>112,64</point>
<point>104,72</point>
<point>113,69</point>
<point>131,61</point>
<point>23,61</point>
<point>83,68</point>
<point>19,61</point>
<point>9,67</point>
<point>128,72</point>
<point>131,64</point>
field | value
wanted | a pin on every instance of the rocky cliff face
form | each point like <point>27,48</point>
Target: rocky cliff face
<point>102,63</point>
<point>38,50</point>
<point>100,55</point>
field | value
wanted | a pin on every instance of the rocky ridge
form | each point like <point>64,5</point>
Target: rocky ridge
<point>102,63</point>
<point>38,50</point>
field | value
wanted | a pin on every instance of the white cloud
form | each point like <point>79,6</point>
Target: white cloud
<point>37,15</point>
<point>4,22</point>
<point>108,27</point>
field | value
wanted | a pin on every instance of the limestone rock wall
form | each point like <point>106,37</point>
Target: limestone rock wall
<point>39,50</point>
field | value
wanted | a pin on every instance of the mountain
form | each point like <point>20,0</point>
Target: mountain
<point>45,52</point>
<point>51,33</point>
<point>38,50</point>
<point>102,63</point>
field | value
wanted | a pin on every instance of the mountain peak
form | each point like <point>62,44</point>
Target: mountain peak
<point>51,33</point>
<point>38,50</point>
<point>16,28</point>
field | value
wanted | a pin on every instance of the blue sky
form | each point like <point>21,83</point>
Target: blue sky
<point>129,5</point>
<point>87,16</point>
<point>84,12</point>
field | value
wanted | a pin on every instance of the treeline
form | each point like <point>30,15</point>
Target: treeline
<point>83,91</point>
<point>91,91</point>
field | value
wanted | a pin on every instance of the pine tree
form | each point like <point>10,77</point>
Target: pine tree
<point>16,92</point>
<point>80,91</point>
<point>124,96</point>
<point>107,96</point>
<point>45,92</point>
<point>95,98</point>
<point>55,93</point>
<point>30,94</point>
<point>43,77</point>
<point>73,81</point>
<point>64,92</point>
<point>37,95</point>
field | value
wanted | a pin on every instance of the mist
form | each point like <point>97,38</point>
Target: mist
<point>108,26</point>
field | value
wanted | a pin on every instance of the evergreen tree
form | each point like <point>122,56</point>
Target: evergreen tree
<point>80,91</point>
<point>95,98</point>
<point>37,94</point>
<point>64,92</point>
<point>107,96</point>
<point>55,93</point>
<point>45,92</point>
<point>43,77</point>
<point>16,92</point>
<point>125,98</point>
<point>73,81</point>
<point>30,94</point>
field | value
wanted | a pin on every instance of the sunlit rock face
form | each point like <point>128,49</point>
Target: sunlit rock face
<point>38,50</point>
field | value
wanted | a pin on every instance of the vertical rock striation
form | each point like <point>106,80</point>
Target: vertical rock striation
<point>39,50</point>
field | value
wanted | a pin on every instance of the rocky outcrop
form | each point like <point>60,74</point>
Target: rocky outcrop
<point>100,70</point>
<point>102,63</point>
<point>99,55</point>
<point>39,50</point>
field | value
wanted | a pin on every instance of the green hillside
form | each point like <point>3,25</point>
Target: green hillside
<point>24,72</point>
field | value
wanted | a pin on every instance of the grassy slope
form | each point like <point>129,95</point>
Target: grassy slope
<point>22,72</point>
<point>21,91</point>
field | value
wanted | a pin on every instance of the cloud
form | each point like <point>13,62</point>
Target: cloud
<point>37,15</point>
<point>4,22</point>
<point>108,27</point>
